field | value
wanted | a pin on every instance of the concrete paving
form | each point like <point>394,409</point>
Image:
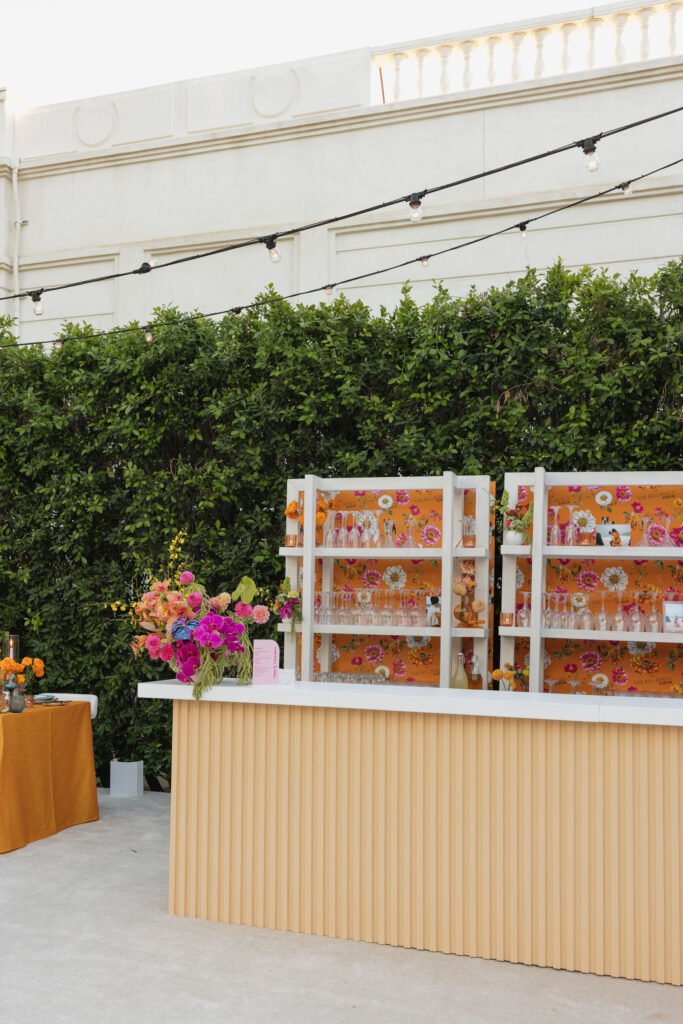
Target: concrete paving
<point>85,939</point>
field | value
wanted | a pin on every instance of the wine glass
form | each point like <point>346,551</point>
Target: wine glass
<point>571,530</point>
<point>572,615</point>
<point>645,540</point>
<point>635,619</point>
<point>342,537</point>
<point>667,540</point>
<point>574,684</point>
<point>653,617</point>
<point>619,617</point>
<point>547,610</point>
<point>386,616</point>
<point>523,616</point>
<point>555,536</point>
<point>603,617</point>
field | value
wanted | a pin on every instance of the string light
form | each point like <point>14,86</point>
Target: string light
<point>626,188</point>
<point>148,332</point>
<point>328,289</point>
<point>588,146</point>
<point>37,304</point>
<point>272,249</point>
<point>271,300</point>
<point>523,229</point>
<point>415,204</point>
<point>148,265</point>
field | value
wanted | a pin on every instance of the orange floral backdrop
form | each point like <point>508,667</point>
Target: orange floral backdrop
<point>638,666</point>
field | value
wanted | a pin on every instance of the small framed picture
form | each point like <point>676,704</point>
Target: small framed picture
<point>433,610</point>
<point>673,616</point>
<point>610,536</point>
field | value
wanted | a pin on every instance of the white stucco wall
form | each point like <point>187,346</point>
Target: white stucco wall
<point>108,182</point>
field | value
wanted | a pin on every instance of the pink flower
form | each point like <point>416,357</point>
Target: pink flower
<point>574,490</point>
<point>587,580</point>
<point>351,561</point>
<point>357,660</point>
<point>677,536</point>
<point>620,677</point>
<point>401,540</point>
<point>243,610</point>
<point>640,561</point>
<point>560,590</point>
<point>570,668</point>
<point>402,497</point>
<point>593,488</point>
<point>622,493</point>
<point>430,535</point>
<point>633,689</point>
<point>637,506</point>
<point>522,494</point>
<point>185,578</point>
<point>398,668</point>
<point>374,653</point>
<point>656,534</point>
<point>360,493</point>
<point>591,660</point>
<point>371,579</point>
<point>194,600</point>
<point>260,614</point>
<point>153,645</point>
<point>166,652</point>
<point>414,510</point>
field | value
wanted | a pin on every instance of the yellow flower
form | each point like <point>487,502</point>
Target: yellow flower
<point>292,593</point>
<point>21,679</point>
<point>25,661</point>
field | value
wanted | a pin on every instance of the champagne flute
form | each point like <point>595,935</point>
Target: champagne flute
<point>523,616</point>
<point>619,618</point>
<point>653,617</point>
<point>645,522</point>
<point>555,536</point>
<point>635,623</point>
<point>571,530</point>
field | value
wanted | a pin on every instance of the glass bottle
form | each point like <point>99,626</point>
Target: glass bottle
<point>459,680</point>
<point>476,681</point>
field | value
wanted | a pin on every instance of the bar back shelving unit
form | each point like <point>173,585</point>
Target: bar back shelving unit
<point>538,484</point>
<point>309,551</point>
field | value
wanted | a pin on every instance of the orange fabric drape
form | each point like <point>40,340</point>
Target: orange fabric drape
<point>47,773</point>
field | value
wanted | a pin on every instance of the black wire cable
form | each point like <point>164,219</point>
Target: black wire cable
<point>146,267</point>
<point>519,225</point>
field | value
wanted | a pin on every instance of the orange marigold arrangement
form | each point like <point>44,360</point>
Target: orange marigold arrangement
<point>25,670</point>
<point>515,677</point>
<point>295,510</point>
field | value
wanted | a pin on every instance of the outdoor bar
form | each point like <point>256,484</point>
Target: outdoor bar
<point>379,789</point>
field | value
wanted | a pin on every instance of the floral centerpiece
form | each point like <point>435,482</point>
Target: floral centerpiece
<point>512,677</point>
<point>517,520</point>
<point>189,630</point>
<point>287,603</point>
<point>295,511</point>
<point>26,671</point>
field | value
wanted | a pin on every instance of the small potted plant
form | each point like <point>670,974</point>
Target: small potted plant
<point>517,521</point>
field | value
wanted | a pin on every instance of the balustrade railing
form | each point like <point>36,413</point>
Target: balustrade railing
<point>530,50</point>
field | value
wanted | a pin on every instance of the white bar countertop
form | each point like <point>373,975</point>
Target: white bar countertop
<point>436,701</point>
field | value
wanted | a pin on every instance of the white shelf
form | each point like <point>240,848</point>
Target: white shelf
<point>616,554</point>
<point>393,553</point>
<point>608,634</point>
<point>355,629</point>
<point>514,631</point>
<point>516,550</point>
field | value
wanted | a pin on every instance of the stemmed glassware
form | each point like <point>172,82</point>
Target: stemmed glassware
<point>667,540</point>
<point>635,619</point>
<point>571,530</point>
<point>523,615</point>
<point>645,522</point>
<point>619,619</point>
<point>603,617</point>
<point>572,615</point>
<point>586,616</point>
<point>555,536</point>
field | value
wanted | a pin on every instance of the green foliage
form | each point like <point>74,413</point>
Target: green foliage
<point>108,447</point>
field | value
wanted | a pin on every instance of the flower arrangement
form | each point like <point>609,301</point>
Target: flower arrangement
<point>188,629</point>
<point>295,511</point>
<point>287,603</point>
<point>26,671</point>
<point>467,608</point>
<point>512,677</point>
<point>520,518</point>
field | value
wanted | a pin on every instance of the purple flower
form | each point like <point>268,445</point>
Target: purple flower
<point>194,600</point>
<point>183,628</point>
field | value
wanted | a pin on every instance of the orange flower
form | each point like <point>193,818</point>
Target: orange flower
<point>320,518</point>
<point>25,662</point>
<point>292,510</point>
<point>497,674</point>
<point>21,679</point>
<point>332,504</point>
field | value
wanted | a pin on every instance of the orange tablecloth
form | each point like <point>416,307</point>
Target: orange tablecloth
<point>47,773</point>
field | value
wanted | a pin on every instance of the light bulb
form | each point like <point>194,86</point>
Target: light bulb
<point>522,230</point>
<point>592,162</point>
<point>328,289</point>
<point>237,310</point>
<point>626,188</point>
<point>424,260</point>
<point>37,304</point>
<point>148,332</point>
<point>416,210</point>
<point>272,249</point>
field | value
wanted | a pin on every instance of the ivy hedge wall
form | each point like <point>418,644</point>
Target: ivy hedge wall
<point>108,447</point>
